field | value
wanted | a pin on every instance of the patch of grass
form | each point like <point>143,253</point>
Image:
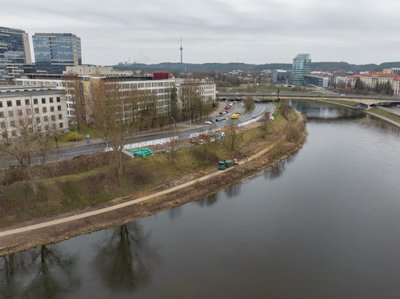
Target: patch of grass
<point>65,193</point>
<point>385,113</point>
<point>344,102</point>
<point>71,136</point>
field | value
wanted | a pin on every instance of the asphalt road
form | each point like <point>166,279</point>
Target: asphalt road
<point>67,153</point>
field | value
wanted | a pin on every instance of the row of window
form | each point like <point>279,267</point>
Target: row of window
<point>29,111</point>
<point>37,120</point>
<point>39,129</point>
<point>27,102</point>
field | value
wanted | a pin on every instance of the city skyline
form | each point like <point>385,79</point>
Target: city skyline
<point>221,31</point>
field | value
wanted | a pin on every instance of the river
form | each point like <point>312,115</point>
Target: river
<point>322,224</point>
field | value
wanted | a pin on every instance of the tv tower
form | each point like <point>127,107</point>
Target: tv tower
<point>181,49</point>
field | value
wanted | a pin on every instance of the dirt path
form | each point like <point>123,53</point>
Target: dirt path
<point>81,216</point>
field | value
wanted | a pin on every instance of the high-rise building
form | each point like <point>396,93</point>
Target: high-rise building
<point>301,67</point>
<point>55,51</point>
<point>14,53</point>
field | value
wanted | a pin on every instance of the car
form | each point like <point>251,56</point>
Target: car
<point>220,119</point>
<point>208,122</point>
<point>235,116</point>
<point>221,113</point>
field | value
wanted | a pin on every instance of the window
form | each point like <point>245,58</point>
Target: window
<point>43,100</point>
<point>51,100</point>
<point>11,113</point>
<point>38,120</point>
<point>53,117</point>
<point>14,133</point>
<point>19,112</point>
<point>60,116</point>
<point>36,110</point>
<point>46,118</point>
<point>58,108</point>
<point>61,125</point>
<point>52,109</point>
<point>1,114</point>
<point>44,109</point>
<point>35,101</point>
<point>28,111</point>
<point>58,99</point>
<point>12,123</point>
<point>18,102</point>
<point>27,102</point>
<point>9,104</point>
<point>1,104</point>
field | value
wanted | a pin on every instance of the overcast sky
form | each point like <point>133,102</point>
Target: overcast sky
<point>250,31</point>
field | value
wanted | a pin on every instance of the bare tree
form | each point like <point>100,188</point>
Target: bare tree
<point>22,138</point>
<point>231,138</point>
<point>115,113</point>
<point>75,87</point>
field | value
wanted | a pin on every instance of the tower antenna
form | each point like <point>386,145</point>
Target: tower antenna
<point>181,49</point>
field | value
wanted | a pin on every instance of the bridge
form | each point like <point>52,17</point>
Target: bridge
<point>364,101</point>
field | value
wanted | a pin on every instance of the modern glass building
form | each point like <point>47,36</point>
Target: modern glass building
<point>14,52</point>
<point>301,67</point>
<point>55,51</point>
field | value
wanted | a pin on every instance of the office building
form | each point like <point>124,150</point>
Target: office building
<point>55,51</point>
<point>44,110</point>
<point>301,67</point>
<point>316,81</point>
<point>14,53</point>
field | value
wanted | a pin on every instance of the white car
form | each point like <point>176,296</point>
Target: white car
<point>209,122</point>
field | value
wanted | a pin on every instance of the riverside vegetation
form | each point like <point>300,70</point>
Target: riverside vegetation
<point>89,180</point>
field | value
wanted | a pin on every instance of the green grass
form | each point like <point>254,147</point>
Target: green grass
<point>344,102</point>
<point>385,113</point>
<point>71,136</point>
<point>66,193</point>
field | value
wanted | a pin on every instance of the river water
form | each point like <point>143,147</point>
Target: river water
<point>323,224</point>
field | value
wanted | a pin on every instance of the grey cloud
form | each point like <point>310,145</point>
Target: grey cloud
<point>254,31</point>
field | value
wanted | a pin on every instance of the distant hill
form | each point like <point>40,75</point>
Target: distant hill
<point>227,67</point>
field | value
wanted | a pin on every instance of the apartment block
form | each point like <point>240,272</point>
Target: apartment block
<point>42,109</point>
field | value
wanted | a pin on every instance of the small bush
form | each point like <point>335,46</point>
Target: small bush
<point>71,137</point>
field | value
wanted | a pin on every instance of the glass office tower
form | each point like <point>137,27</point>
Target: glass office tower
<point>55,51</point>
<point>14,52</point>
<point>301,67</point>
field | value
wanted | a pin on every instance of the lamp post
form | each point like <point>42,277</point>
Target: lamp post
<point>174,121</point>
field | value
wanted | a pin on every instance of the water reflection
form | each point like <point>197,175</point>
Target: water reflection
<point>232,191</point>
<point>277,169</point>
<point>124,261</point>
<point>208,201</point>
<point>325,111</point>
<point>175,212</point>
<point>45,273</point>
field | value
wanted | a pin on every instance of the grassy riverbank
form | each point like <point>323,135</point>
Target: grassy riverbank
<point>64,189</point>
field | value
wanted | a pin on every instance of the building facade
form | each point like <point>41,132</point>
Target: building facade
<point>318,81</point>
<point>41,109</point>
<point>14,53</point>
<point>55,51</point>
<point>142,87</point>
<point>98,71</point>
<point>301,67</point>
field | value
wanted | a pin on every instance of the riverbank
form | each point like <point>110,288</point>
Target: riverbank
<point>375,111</point>
<point>277,145</point>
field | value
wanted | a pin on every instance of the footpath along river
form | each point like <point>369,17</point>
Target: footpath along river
<point>322,224</point>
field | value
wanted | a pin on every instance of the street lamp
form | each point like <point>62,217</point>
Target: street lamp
<point>174,121</point>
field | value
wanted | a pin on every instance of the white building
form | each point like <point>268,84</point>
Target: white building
<point>205,89</point>
<point>96,71</point>
<point>43,109</point>
<point>57,83</point>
